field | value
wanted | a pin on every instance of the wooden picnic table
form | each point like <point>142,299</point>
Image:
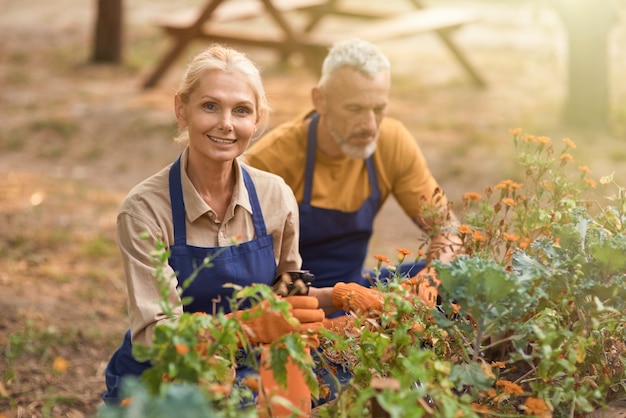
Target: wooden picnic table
<point>284,36</point>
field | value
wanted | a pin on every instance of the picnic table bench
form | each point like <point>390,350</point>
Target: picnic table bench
<point>287,38</point>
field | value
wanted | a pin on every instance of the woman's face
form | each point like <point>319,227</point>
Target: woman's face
<point>220,116</point>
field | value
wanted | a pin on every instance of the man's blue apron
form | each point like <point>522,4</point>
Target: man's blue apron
<point>248,263</point>
<point>334,244</point>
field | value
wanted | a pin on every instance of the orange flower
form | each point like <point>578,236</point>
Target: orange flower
<point>472,196</point>
<point>60,364</point>
<point>584,169</point>
<point>481,409</point>
<point>524,243</point>
<point>181,349</point>
<point>403,252</point>
<point>566,157</point>
<point>544,140</point>
<point>252,383</point>
<point>569,143</point>
<point>515,132</point>
<point>126,401</point>
<point>535,406</point>
<point>381,258</point>
<point>508,201</point>
<point>478,236</point>
<point>510,387</point>
<point>464,229</point>
<point>590,182</point>
<point>221,389</point>
<point>498,364</point>
<point>508,184</point>
<point>510,237</point>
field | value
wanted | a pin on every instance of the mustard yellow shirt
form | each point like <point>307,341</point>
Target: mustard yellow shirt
<point>147,208</point>
<point>342,183</point>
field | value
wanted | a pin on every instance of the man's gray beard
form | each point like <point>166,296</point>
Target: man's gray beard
<point>352,151</point>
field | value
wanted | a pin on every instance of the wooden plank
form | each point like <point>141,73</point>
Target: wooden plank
<point>233,11</point>
<point>413,23</point>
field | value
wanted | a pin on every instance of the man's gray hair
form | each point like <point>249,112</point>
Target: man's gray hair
<point>358,54</point>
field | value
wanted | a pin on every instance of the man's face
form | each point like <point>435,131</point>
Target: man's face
<point>354,107</point>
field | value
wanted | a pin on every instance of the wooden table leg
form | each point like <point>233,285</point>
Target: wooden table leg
<point>469,68</point>
<point>180,43</point>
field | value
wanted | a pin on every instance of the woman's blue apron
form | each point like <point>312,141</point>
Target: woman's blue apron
<point>245,264</point>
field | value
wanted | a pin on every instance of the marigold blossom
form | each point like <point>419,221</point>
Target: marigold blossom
<point>481,409</point>
<point>569,143</point>
<point>510,237</point>
<point>535,406</point>
<point>508,201</point>
<point>472,196</point>
<point>508,184</point>
<point>60,364</point>
<point>498,364</point>
<point>515,131</point>
<point>181,349</point>
<point>464,229</point>
<point>403,251</point>
<point>478,236</point>
<point>126,401</point>
<point>584,169</point>
<point>544,140</point>
<point>524,243</point>
<point>566,157</point>
<point>590,182</point>
<point>510,387</point>
<point>252,383</point>
<point>381,258</point>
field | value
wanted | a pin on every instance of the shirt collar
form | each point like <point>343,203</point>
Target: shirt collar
<point>195,206</point>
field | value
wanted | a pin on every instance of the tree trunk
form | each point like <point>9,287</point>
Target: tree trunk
<point>108,32</point>
<point>588,24</point>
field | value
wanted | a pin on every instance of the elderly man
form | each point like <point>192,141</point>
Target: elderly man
<point>343,159</point>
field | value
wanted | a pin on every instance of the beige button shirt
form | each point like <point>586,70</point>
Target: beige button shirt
<point>146,214</point>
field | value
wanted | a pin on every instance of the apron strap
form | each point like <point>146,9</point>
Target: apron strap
<point>257,213</point>
<point>178,204</point>
<point>310,159</point>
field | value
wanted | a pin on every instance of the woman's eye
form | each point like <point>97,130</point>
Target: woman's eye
<point>243,110</point>
<point>209,106</point>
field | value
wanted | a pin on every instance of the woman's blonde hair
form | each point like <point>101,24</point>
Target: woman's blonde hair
<point>220,58</point>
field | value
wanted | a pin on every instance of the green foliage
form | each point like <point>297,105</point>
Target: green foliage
<point>181,401</point>
<point>533,320</point>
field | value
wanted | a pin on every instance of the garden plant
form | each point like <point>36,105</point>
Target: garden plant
<point>531,321</point>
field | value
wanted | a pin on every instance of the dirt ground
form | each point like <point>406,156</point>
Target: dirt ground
<point>75,138</point>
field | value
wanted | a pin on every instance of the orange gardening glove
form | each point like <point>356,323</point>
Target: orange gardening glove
<point>269,326</point>
<point>424,285</point>
<point>356,298</point>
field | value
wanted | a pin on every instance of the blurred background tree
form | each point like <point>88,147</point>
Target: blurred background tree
<point>107,46</point>
<point>588,25</point>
